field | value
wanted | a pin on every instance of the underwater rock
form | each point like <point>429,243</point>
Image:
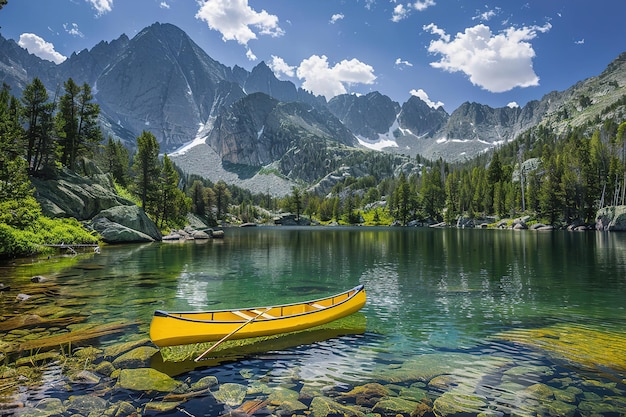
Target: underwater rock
<point>85,377</point>
<point>323,407</point>
<point>4,287</point>
<point>86,404</point>
<point>38,279</point>
<point>148,379</point>
<point>117,349</point>
<point>136,358</point>
<point>287,401</point>
<point>454,403</point>
<point>204,383</point>
<point>44,407</point>
<point>105,368</point>
<point>231,394</point>
<point>22,297</point>
<point>121,409</point>
<point>161,406</point>
<point>368,394</point>
<point>395,406</point>
<point>415,392</point>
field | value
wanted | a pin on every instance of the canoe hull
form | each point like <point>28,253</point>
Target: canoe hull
<point>170,329</point>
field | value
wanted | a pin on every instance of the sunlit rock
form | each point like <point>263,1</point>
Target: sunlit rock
<point>136,358</point>
<point>148,379</point>
<point>231,394</point>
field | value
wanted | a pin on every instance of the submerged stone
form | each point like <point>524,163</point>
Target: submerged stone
<point>394,406</point>
<point>458,404</point>
<point>148,379</point>
<point>323,407</point>
<point>136,358</point>
<point>117,349</point>
<point>87,404</point>
<point>231,394</point>
<point>368,394</point>
<point>204,383</point>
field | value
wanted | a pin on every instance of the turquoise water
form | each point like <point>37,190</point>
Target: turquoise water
<point>441,295</point>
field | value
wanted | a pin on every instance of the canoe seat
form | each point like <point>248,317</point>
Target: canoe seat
<point>263,314</point>
<point>318,306</point>
<point>242,314</point>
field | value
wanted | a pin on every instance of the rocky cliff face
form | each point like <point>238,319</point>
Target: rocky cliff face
<point>367,116</point>
<point>258,129</point>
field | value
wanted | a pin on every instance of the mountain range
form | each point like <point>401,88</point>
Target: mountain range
<point>265,134</point>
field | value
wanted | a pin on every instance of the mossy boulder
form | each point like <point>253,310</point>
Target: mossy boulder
<point>323,407</point>
<point>231,394</point>
<point>454,403</point>
<point>148,379</point>
<point>136,358</point>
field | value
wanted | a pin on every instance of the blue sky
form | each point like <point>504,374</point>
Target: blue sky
<point>445,51</point>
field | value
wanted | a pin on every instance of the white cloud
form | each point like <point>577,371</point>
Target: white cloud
<point>424,97</point>
<point>234,19</point>
<point>402,11</point>
<point>403,62</point>
<point>421,5</point>
<point>250,55</point>
<point>399,13</point>
<point>494,62</point>
<point>321,79</point>
<point>72,29</point>
<point>487,15</point>
<point>580,42</point>
<point>513,105</point>
<point>101,6</point>
<point>279,66</point>
<point>164,5</point>
<point>336,17</point>
<point>38,46</point>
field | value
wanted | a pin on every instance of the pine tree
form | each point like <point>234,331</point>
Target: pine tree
<point>172,205</point>
<point>77,123</point>
<point>14,181</point>
<point>146,167</point>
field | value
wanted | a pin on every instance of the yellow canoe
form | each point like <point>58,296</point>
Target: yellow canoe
<point>181,328</point>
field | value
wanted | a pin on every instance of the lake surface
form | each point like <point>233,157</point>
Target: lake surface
<point>523,321</point>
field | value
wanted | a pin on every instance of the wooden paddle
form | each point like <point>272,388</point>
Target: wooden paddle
<point>223,339</point>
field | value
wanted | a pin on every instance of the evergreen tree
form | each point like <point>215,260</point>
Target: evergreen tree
<point>402,199</point>
<point>77,123</point>
<point>116,161</point>
<point>295,202</point>
<point>172,206</point>
<point>38,114</point>
<point>146,168</point>
<point>197,195</point>
<point>14,181</point>
<point>222,199</point>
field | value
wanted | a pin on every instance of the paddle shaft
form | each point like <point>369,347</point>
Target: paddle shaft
<point>223,339</point>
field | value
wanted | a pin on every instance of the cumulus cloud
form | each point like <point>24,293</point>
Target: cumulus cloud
<point>250,55</point>
<point>580,42</point>
<point>513,105</point>
<point>495,62</point>
<point>164,5</point>
<point>38,46</point>
<point>334,18</point>
<point>101,6</point>
<point>486,15</point>
<point>322,79</point>
<point>402,11</point>
<point>280,67</point>
<point>236,20</point>
<point>424,97</point>
<point>400,62</point>
<point>72,29</point>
